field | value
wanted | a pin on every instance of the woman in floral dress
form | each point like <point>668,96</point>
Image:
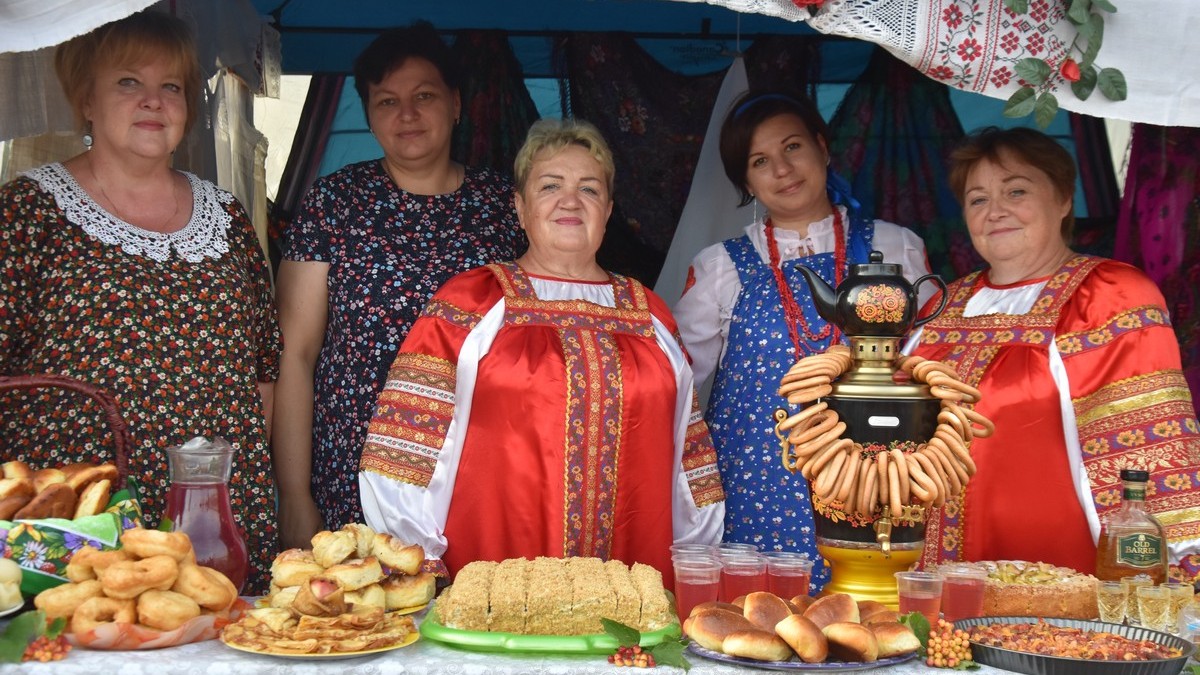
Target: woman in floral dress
<point>147,281</point>
<point>371,244</point>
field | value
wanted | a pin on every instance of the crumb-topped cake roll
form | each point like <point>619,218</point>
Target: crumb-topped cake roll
<point>628,603</point>
<point>591,595</point>
<point>465,604</point>
<point>548,601</point>
<point>656,609</point>
<point>509,588</point>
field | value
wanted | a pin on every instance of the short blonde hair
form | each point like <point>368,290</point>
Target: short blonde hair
<point>137,39</point>
<point>551,135</point>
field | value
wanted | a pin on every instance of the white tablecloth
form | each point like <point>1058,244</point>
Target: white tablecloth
<point>425,657</point>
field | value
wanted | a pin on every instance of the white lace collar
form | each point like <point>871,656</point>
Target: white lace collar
<point>204,236</point>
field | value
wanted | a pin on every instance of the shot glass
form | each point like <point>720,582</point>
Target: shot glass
<point>788,574</point>
<point>1132,615</point>
<point>1111,598</point>
<point>962,591</point>
<point>1181,596</point>
<point>1154,607</point>
<point>697,580</point>
<point>742,574</point>
<point>920,592</point>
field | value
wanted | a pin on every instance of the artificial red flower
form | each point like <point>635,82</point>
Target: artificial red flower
<point>808,3</point>
<point>1069,70</point>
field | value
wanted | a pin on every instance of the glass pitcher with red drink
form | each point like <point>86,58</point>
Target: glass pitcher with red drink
<point>198,504</point>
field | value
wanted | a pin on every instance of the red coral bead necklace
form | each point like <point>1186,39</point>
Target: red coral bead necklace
<point>791,310</point>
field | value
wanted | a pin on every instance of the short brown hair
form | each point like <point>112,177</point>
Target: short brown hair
<point>1027,145</point>
<point>137,39</point>
<point>747,113</point>
<point>553,135</point>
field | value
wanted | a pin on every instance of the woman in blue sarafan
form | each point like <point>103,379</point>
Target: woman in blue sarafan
<point>747,314</point>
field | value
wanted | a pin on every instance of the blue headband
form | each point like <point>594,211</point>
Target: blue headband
<point>764,97</point>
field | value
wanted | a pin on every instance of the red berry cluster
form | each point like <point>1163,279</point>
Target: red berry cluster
<point>947,646</point>
<point>632,656</point>
<point>45,650</point>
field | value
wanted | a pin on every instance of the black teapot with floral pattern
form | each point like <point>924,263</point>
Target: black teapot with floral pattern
<point>873,300</point>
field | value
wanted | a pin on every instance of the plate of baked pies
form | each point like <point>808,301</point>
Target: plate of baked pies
<point>273,631</point>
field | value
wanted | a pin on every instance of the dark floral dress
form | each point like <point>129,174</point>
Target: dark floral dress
<point>180,328</point>
<point>388,252</point>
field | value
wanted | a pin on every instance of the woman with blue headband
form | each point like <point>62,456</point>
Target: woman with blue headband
<point>747,314</point>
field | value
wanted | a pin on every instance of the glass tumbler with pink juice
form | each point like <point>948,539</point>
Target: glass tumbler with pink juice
<point>198,504</point>
<point>697,580</point>
<point>920,592</point>
<point>788,574</point>
<point>962,591</point>
<point>742,574</point>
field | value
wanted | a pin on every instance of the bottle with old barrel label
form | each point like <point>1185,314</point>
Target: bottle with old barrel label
<point>1131,540</point>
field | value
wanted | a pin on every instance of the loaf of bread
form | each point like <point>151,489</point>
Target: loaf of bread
<point>554,596</point>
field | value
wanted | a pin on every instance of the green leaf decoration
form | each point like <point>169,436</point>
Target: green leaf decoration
<point>967,664</point>
<point>1093,32</point>
<point>1033,71</point>
<point>1045,109</point>
<point>624,635</point>
<point>56,627</point>
<point>1087,82</point>
<point>919,625</point>
<point>20,632</point>
<point>1017,6</point>
<point>1020,103</point>
<point>1104,5</point>
<point>1112,84</point>
<point>670,653</point>
<point>1080,11</point>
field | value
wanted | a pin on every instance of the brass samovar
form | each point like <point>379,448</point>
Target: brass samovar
<point>876,308</point>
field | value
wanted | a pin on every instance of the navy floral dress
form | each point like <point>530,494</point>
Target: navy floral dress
<point>180,327</point>
<point>388,252</point>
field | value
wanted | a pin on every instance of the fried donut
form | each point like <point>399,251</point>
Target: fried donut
<point>165,610</point>
<point>62,600</point>
<point>400,557</point>
<point>131,578</point>
<point>85,562</point>
<point>208,587</point>
<point>294,567</point>
<point>100,610</point>
<point>143,543</point>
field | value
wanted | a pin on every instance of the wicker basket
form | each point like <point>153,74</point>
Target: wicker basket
<point>103,398</point>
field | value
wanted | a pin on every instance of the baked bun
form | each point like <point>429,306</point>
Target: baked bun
<point>15,493</point>
<point>764,610</point>
<point>371,596</point>
<point>56,501</point>
<point>756,644</point>
<point>17,469</point>
<point>398,556</point>
<point>715,604</point>
<point>93,499</point>
<point>802,602</point>
<point>402,592</point>
<point>294,567</point>
<point>835,608</point>
<point>44,478</point>
<point>87,474</point>
<point>331,548</point>
<point>356,574</point>
<point>850,641</point>
<point>804,638</point>
<point>710,627</point>
<point>363,535</point>
<point>868,607</point>
<point>894,639</point>
<point>886,616</point>
<point>282,597</point>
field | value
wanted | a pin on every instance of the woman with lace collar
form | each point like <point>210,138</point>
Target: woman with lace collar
<point>145,280</point>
